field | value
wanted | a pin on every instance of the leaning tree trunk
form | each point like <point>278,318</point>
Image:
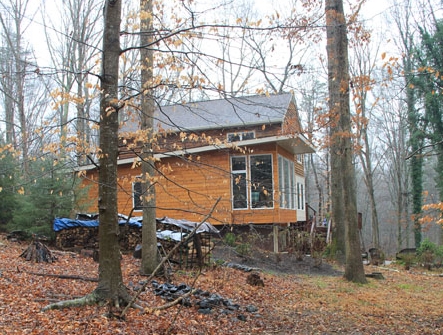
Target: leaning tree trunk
<point>342,168</point>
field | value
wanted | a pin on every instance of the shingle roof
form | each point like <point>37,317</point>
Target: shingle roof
<point>220,113</point>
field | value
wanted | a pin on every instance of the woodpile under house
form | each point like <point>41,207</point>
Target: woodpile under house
<point>82,233</point>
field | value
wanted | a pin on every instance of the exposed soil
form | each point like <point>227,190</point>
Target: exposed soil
<point>282,263</point>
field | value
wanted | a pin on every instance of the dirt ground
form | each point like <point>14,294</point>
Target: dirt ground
<point>281,263</point>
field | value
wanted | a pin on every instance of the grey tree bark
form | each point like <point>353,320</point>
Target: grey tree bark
<point>110,286</point>
<point>150,258</point>
<point>342,168</point>
<point>19,65</point>
<point>74,52</point>
<point>362,78</point>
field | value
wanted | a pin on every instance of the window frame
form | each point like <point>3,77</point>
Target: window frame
<point>266,194</point>
<point>235,182</point>
<point>300,195</point>
<point>287,183</point>
<point>261,200</point>
<point>240,135</point>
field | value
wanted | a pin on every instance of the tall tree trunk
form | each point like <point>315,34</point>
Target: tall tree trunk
<point>14,37</point>
<point>149,237</point>
<point>7,90</point>
<point>404,20</point>
<point>110,286</point>
<point>366,161</point>
<point>313,169</point>
<point>342,168</point>
<point>416,161</point>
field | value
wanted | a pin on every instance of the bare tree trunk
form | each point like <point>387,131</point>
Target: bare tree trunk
<point>7,90</point>
<point>14,37</point>
<point>342,151</point>
<point>110,286</point>
<point>362,84</point>
<point>150,258</point>
<point>75,50</point>
<point>317,186</point>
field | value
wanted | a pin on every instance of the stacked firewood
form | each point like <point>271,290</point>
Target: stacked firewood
<point>195,252</point>
<point>87,238</point>
<point>130,237</point>
<point>78,237</point>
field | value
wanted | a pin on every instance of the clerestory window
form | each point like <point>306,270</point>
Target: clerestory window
<point>241,136</point>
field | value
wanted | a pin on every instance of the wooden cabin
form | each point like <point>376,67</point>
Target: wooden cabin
<point>246,151</point>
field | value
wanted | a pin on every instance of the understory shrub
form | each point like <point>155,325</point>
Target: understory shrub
<point>427,253</point>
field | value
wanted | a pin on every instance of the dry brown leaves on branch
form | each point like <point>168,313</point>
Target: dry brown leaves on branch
<point>403,303</point>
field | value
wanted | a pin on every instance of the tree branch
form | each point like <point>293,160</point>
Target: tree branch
<point>163,261</point>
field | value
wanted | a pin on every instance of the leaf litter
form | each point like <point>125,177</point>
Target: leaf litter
<point>405,302</point>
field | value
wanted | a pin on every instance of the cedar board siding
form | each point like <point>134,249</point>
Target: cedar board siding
<point>179,141</point>
<point>291,123</point>
<point>189,188</point>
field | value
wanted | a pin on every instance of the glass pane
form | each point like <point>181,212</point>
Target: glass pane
<point>281,179</point>
<point>302,191</point>
<point>261,181</point>
<point>238,163</point>
<point>248,136</point>
<point>138,202</point>
<point>298,196</point>
<point>287,184</point>
<point>291,186</point>
<point>239,193</point>
<point>233,137</point>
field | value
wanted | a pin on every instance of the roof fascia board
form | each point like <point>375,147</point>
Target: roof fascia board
<point>308,148</point>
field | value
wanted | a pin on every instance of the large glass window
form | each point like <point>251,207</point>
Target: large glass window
<point>287,187</point>
<point>252,185</point>
<point>239,184</point>
<point>261,181</point>
<point>300,196</point>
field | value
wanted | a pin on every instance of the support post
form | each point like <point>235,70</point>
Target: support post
<point>275,233</point>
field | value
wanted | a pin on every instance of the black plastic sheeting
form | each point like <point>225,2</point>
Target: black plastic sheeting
<point>205,301</point>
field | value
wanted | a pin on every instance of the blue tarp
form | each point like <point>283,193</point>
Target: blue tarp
<point>63,223</point>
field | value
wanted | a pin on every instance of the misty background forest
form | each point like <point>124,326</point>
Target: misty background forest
<point>49,97</point>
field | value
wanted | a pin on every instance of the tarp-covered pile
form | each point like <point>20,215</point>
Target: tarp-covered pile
<point>82,233</point>
<point>64,223</point>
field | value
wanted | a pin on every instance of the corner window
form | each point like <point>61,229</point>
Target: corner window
<point>287,186</point>
<point>252,184</point>
<point>300,196</point>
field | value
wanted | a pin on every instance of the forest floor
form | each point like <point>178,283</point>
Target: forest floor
<point>297,298</point>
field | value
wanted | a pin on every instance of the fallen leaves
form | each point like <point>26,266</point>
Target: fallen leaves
<point>404,303</point>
